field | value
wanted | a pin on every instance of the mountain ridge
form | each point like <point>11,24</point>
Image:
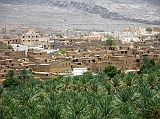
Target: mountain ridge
<point>114,10</point>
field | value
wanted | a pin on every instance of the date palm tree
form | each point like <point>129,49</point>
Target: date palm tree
<point>124,96</point>
<point>105,106</point>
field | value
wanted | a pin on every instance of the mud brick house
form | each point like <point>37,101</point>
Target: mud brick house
<point>38,56</point>
<point>54,67</point>
<point>13,41</point>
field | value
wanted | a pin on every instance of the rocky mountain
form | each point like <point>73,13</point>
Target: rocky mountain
<point>79,13</point>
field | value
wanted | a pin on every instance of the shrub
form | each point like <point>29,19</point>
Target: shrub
<point>111,71</point>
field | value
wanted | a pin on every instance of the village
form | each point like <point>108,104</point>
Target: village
<point>47,56</point>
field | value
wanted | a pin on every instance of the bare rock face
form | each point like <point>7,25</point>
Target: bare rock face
<point>80,11</point>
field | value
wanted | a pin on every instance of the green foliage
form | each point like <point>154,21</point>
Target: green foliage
<point>122,96</point>
<point>63,51</point>
<point>1,90</point>
<point>10,80</point>
<point>149,29</point>
<point>110,37</point>
<point>3,46</point>
<point>111,71</point>
<point>9,47</point>
<point>59,36</point>
<point>110,40</point>
<point>148,66</point>
<point>25,75</point>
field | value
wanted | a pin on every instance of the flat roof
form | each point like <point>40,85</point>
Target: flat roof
<point>41,72</point>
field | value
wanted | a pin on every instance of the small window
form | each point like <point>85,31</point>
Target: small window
<point>138,60</point>
<point>79,63</point>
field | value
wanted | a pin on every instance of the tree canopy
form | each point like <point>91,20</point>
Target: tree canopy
<point>148,65</point>
<point>107,95</point>
<point>110,40</point>
<point>149,29</point>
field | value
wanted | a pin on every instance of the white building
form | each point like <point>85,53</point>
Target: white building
<point>79,71</point>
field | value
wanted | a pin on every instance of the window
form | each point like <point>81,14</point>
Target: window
<point>138,60</point>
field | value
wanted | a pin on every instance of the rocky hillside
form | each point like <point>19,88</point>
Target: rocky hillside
<point>79,12</point>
